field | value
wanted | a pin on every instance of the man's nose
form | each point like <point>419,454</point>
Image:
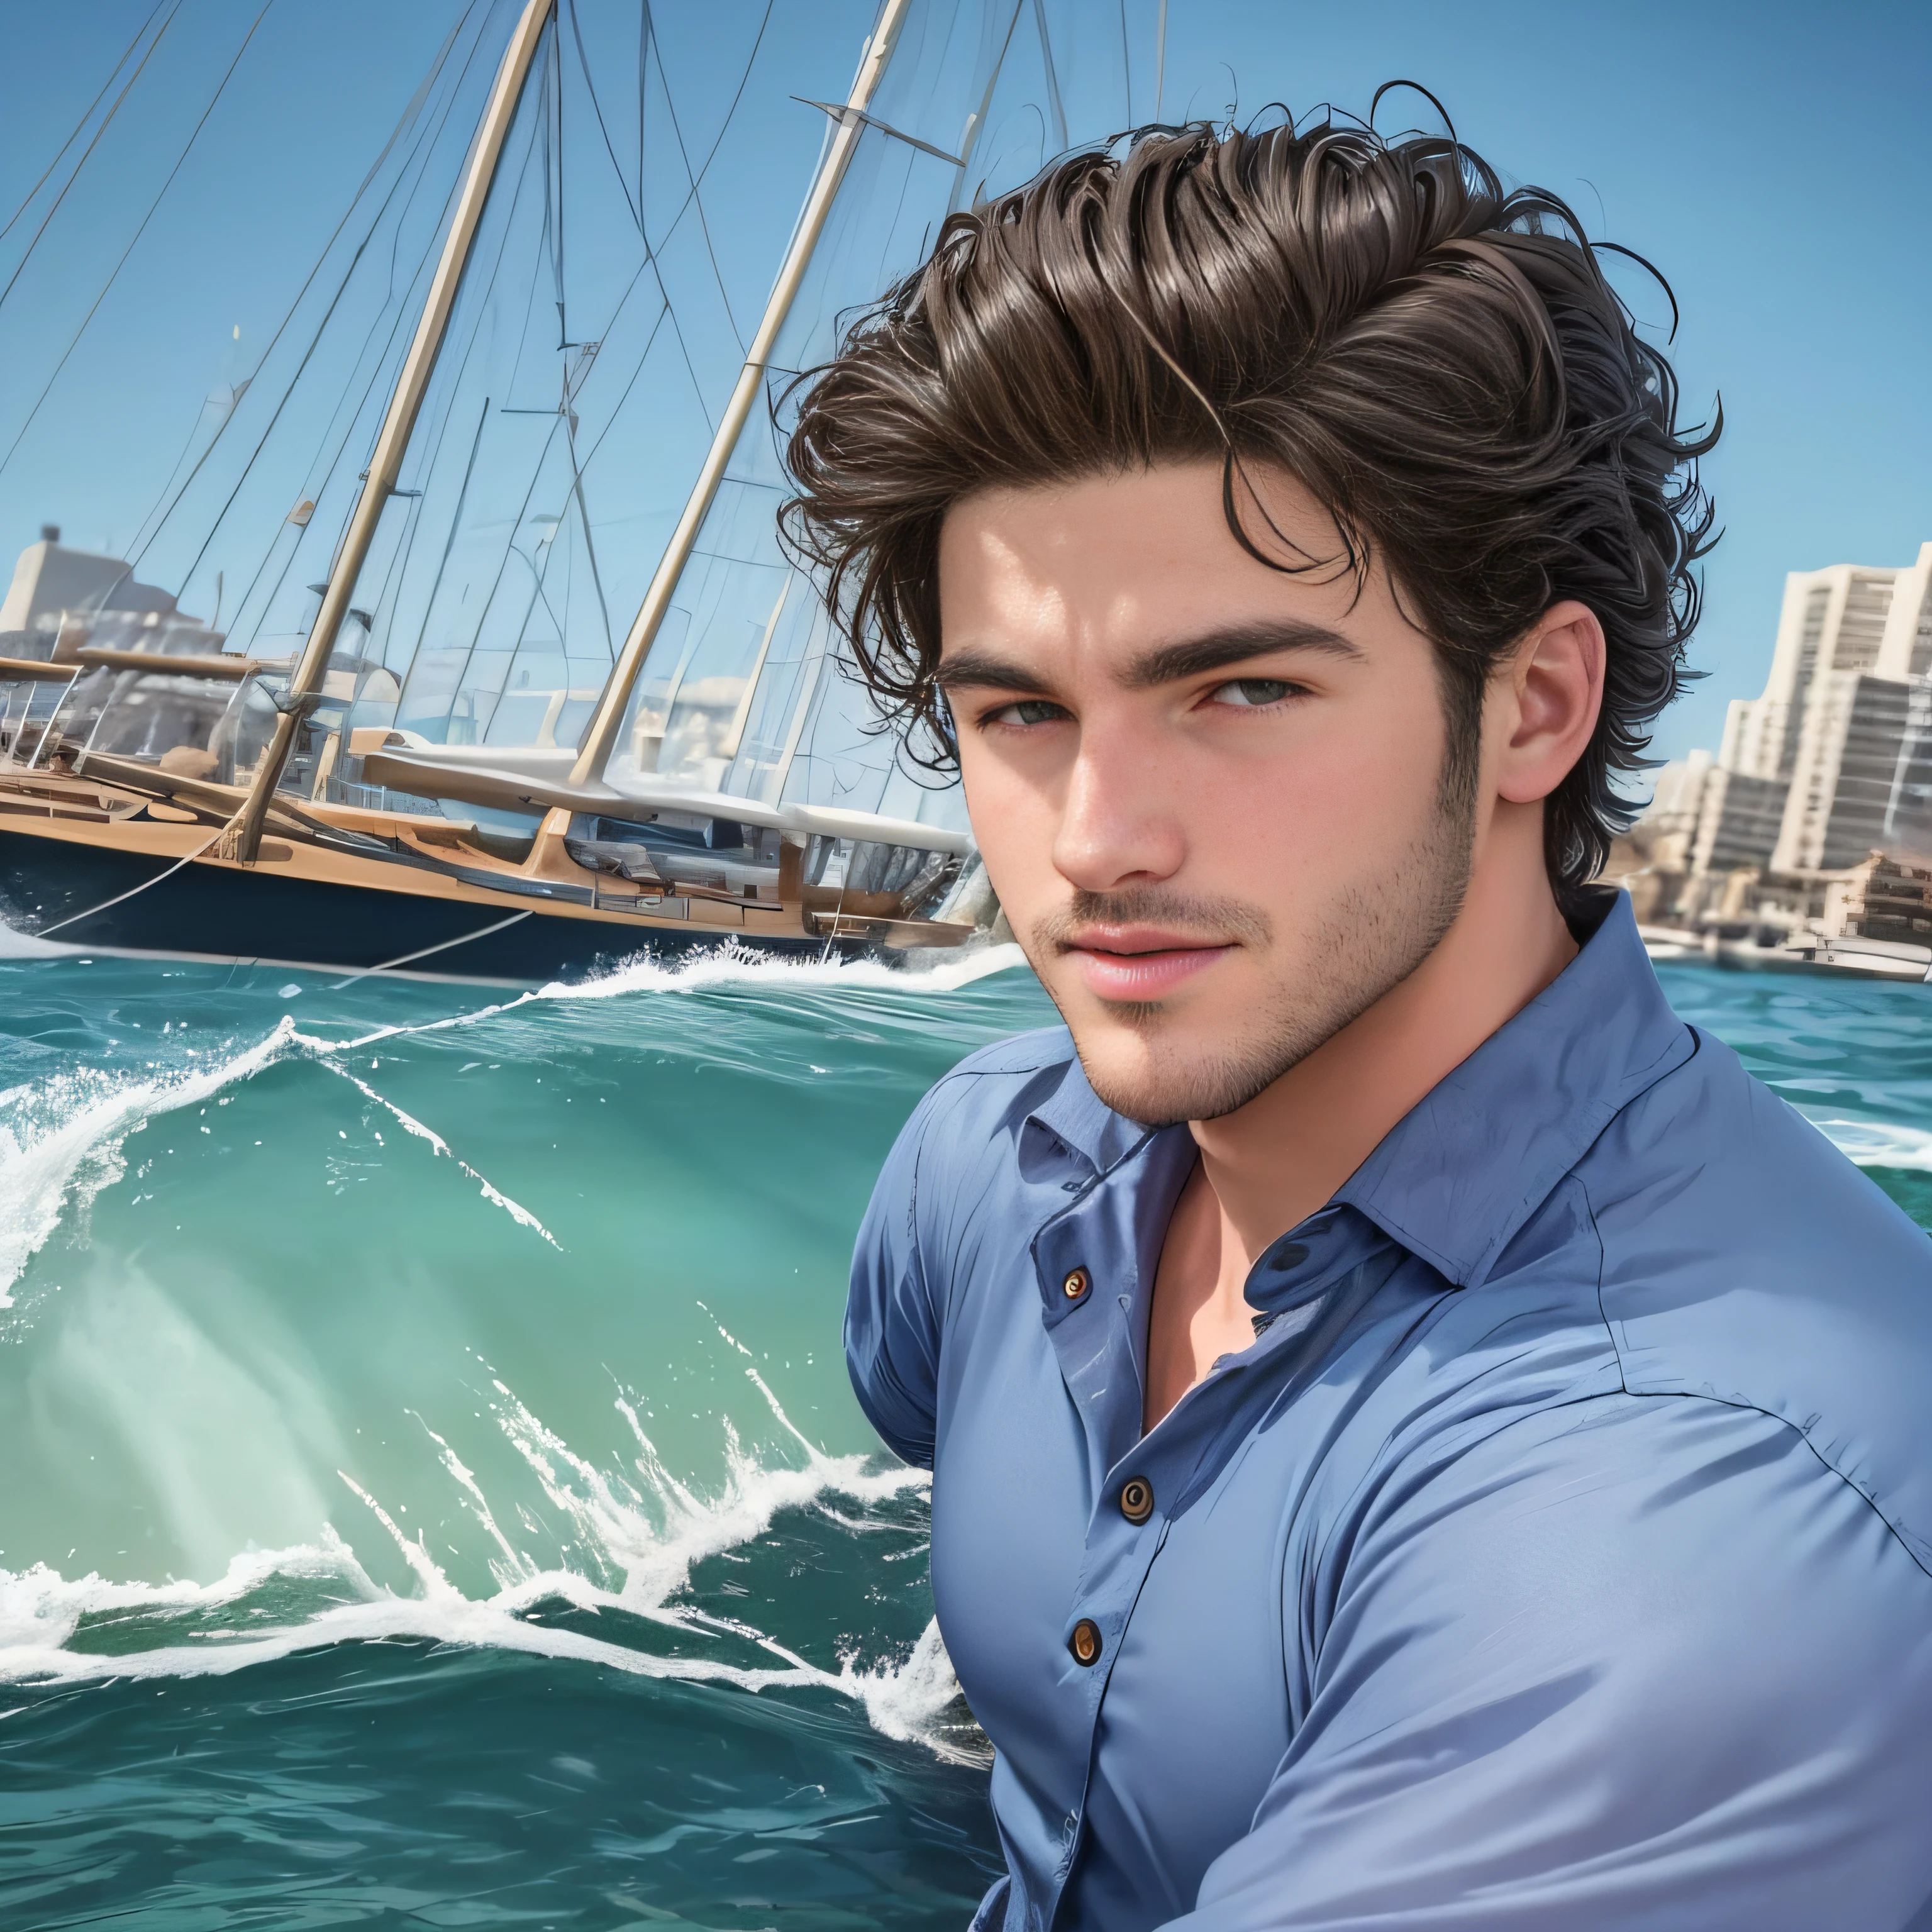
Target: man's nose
<point>1119,825</point>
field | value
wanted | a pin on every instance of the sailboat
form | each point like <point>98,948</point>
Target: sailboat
<point>163,794</point>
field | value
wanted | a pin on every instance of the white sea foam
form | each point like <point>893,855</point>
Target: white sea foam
<point>741,965</point>
<point>15,944</point>
<point>726,966</point>
<point>1880,1143</point>
<point>65,1135</point>
<point>642,1537</point>
<point>61,1139</point>
<point>521,1215</point>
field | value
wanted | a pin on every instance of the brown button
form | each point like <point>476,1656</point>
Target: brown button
<point>1085,1642</point>
<point>1136,1499</point>
<point>1075,1285</point>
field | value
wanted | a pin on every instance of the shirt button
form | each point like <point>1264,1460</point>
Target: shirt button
<point>1137,1499</point>
<point>1085,1642</point>
<point>1075,1285</point>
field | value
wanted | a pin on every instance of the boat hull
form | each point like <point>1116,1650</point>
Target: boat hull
<point>210,910</point>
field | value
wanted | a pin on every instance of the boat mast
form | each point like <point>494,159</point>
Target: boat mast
<point>242,838</point>
<point>600,736</point>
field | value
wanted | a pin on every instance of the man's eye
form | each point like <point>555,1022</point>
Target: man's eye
<point>1249,691</point>
<point>1027,711</point>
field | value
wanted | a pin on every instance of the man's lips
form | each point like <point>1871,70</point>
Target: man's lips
<point>1139,962</point>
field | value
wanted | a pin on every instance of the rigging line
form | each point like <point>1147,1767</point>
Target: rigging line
<point>542,596</point>
<point>711,155</point>
<point>139,232</point>
<point>136,548</point>
<point>380,611</point>
<point>516,650</point>
<point>106,120</point>
<point>691,368</point>
<point>140,33</point>
<point>442,945</point>
<point>543,235</point>
<point>556,75</point>
<point>409,114</point>
<point>447,392</point>
<point>757,41</point>
<point>392,294</point>
<point>425,146</point>
<point>724,128</point>
<point>450,390</point>
<point>590,88</point>
<point>664,311</point>
<point>589,547</point>
<point>74,918</point>
<point>455,524</point>
<point>503,565</point>
<point>671,108</point>
<point>647,36</point>
<point>1052,77</point>
<point>425,142</point>
<point>288,562</point>
<point>650,252</point>
<point>1159,59</point>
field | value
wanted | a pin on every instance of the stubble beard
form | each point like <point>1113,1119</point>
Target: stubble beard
<point>1361,945</point>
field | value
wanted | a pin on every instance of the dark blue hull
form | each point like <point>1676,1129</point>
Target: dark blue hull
<point>222,912</point>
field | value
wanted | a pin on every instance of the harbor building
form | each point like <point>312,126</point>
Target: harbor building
<point>1808,818</point>
<point>52,584</point>
<point>1831,724</point>
<point>1738,822</point>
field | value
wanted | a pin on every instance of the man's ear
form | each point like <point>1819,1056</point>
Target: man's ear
<point>1552,694</point>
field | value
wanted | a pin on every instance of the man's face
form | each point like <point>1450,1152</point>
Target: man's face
<point>1209,794</point>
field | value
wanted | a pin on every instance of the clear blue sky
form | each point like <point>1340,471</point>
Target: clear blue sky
<point>1769,157</point>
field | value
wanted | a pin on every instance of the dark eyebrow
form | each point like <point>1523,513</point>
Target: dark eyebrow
<point>1168,664</point>
<point>983,671</point>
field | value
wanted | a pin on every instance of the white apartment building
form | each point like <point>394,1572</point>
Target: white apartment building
<point>1829,727</point>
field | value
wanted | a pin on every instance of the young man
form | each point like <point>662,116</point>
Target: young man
<point>1421,1438</point>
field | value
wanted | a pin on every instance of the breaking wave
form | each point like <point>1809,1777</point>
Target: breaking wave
<point>642,1529</point>
<point>61,1138</point>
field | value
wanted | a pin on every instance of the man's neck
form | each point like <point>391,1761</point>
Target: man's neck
<point>1274,1162</point>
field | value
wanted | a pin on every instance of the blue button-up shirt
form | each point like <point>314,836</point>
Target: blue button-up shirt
<point>1559,1556</point>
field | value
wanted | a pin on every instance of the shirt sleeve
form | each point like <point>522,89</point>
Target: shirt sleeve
<point>1641,1662</point>
<point>891,1322</point>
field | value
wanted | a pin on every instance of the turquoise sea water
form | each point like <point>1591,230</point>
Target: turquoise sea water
<point>432,1494</point>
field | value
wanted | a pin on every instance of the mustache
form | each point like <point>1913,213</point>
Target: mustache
<point>1215,921</point>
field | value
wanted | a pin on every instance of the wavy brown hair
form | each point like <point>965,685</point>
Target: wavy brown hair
<point>1440,362</point>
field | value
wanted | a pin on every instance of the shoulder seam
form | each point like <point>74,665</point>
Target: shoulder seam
<point>1596,1235</point>
<point>1690,1395</point>
<point>1824,1463</point>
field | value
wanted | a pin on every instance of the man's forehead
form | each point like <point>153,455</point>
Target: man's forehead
<point>1145,559</point>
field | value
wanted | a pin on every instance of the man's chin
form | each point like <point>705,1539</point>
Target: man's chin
<point>1161,1075</point>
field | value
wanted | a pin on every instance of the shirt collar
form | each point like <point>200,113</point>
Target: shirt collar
<point>1455,1180</point>
<point>1081,1123</point>
<point>1458,1176</point>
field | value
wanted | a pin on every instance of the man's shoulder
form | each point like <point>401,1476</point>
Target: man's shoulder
<point>967,1124</point>
<point>995,1087</point>
<point>1004,1133</point>
<point>1746,1260</point>
<point>1012,1061</point>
